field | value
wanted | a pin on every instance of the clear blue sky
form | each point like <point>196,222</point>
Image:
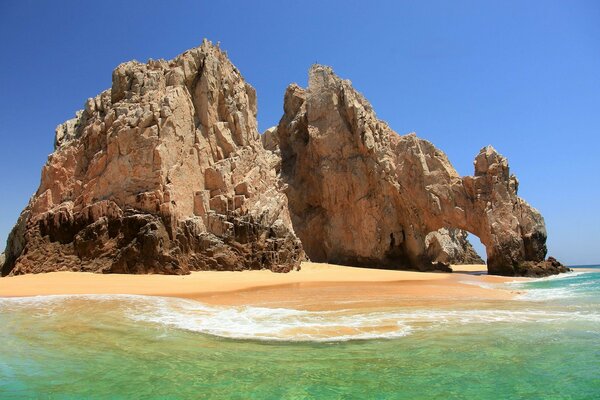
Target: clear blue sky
<point>523,76</point>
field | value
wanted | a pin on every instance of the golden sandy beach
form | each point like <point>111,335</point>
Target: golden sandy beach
<point>316,286</point>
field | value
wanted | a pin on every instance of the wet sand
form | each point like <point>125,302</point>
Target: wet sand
<point>316,286</point>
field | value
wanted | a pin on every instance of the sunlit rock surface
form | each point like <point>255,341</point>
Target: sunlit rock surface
<point>166,173</point>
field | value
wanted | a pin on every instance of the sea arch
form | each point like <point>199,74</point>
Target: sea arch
<point>361,194</point>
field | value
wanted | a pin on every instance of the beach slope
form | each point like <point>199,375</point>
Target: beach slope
<point>316,285</point>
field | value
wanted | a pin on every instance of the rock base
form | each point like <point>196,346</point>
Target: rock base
<point>548,267</point>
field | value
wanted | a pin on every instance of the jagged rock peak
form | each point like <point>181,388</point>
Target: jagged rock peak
<point>165,173</point>
<point>213,83</point>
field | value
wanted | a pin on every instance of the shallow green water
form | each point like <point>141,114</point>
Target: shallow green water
<point>546,345</point>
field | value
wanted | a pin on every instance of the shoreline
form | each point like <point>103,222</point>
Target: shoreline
<point>315,286</point>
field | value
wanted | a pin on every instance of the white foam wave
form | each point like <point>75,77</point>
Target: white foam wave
<point>480,284</point>
<point>566,275</point>
<point>583,284</point>
<point>567,289</point>
<point>547,294</point>
<point>283,324</point>
<point>269,323</point>
<point>57,299</point>
<point>296,325</point>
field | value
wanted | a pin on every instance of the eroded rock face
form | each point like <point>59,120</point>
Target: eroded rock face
<point>163,173</point>
<point>444,246</point>
<point>360,194</point>
<point>451,246</point>
<point>166,173</point>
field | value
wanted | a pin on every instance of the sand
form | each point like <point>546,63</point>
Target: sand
<point>481,268</point>
<point>316,286</point>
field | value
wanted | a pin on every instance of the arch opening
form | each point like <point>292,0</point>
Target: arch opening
<point>477,246</point>
<point>456,247</point>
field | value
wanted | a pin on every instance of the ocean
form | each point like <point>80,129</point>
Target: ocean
<point>545,344</point>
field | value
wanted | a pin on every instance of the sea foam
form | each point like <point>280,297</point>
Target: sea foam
<point>286,324</point>
<point>564,286</point>
<point>282,324</point>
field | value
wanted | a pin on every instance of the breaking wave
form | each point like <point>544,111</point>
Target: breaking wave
<point>572,285</point>
<point>282,324</point>
<point>286,324</point>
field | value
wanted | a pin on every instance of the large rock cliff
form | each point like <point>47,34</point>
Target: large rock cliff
<point>166,173</point>
<point>360,194</point>
<point>162,173</point>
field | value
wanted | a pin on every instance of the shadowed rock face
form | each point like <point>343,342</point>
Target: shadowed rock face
<point>166,173</point>
<point>163,173</point>
<point>360,194</point>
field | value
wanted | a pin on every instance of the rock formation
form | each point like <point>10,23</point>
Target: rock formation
<point>551,266</point>
<point>451,246</point>
<point>360,194</point>
<point>165,172</point>
<point>162,173</point>
<point>445,246</point>
<point>270,140</point>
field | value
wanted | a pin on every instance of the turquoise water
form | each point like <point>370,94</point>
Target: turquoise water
<point>543,345</point>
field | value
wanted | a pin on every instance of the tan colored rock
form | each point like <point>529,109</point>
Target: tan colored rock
<point>270,140</point>
<point>166,173</point>
<point>451,246</point>
<point>143,179</point>
<point>360,194</point>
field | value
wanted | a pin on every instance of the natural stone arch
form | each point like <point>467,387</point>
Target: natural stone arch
<point>485,204</point>
<point>361,194</point>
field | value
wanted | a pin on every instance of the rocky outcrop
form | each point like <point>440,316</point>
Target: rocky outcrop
<point>451,246</point>
<point>360,194</point>
<point>270,140</point>
<point>165,172</point>
<point>162,173</point>
<point>533,269</point>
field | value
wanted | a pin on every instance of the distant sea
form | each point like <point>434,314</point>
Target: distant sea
<point>543,345</point>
